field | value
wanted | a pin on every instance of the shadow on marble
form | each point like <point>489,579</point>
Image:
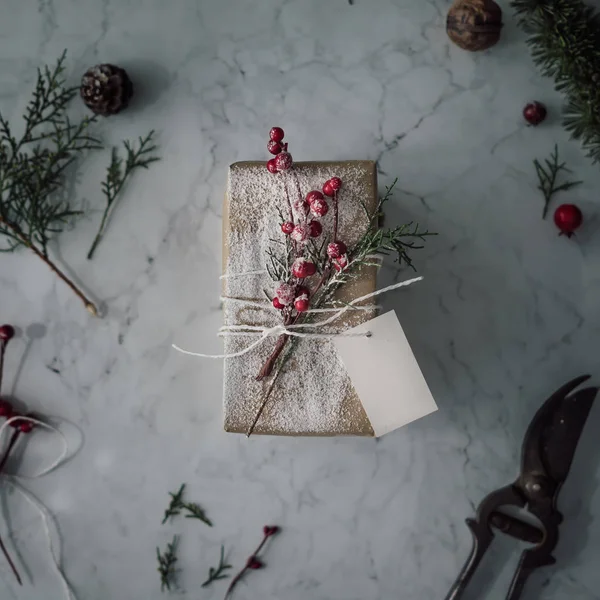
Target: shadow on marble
<point>150,81</point>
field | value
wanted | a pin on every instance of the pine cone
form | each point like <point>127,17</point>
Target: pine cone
<point>474,24</point>
<point>106,89</point>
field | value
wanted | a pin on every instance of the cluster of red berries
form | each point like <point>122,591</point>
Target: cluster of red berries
<point>283,159</point>
<point>287,293</point>
<point>7,332</point>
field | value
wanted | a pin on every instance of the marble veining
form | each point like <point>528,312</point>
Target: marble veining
<point>507,312</point>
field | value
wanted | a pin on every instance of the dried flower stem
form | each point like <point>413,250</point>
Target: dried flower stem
<point>13,441</point>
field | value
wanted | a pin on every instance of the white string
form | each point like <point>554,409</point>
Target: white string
<point>269,306</point>
<point>46,516</point>
<point>291,329</point>
<point>244,274</point>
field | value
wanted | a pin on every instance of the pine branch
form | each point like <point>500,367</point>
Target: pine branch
<point>548,178</point>
<point>564,37</point>
<point>215,574</point>
<point>166,564</point>
<point>116,176</point>
<point>175,505</point>
<point>195,511</point>
<point>33,167</point>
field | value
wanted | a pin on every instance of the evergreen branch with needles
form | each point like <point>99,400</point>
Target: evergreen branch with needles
<point>548,177</point>
<point>33,207</point>
<point>177,505</point>
<point>217,573</point>
<point>166,564</point>
<point>117,173</point>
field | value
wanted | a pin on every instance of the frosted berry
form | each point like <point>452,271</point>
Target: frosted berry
<point>340,263</point>
<point>301,207</point>
<point>314,195</point>
<point>534,113</point>
<point>283,161</point>
<point>254,563</point>
<point>300,233</point>
<point>315,228</point>
<point>6,409</point>
<point>287,227</point>
<point>302,290</point>
<point>285,293</point>
<point>301,303</point>
<point>271,166</point>
<point>335,183</point>
<point>328,190</point>
<point>336,249</point>
<point>568,218</point>
<point>277,304</point>
<point>276,134</point>
<point>7,332</point>
<point>319,208</point>
<point>274,147</point>
<point>302,268</point>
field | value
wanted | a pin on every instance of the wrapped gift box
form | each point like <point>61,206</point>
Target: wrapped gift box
<point>313,394</point>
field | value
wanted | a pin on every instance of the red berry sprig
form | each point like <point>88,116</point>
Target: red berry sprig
<point>534,113</point>
<point>253,563</point>
<point>283,159</point>
<point>568,218</point>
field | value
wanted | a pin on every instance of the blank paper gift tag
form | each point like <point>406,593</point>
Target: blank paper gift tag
<point>385,374</point>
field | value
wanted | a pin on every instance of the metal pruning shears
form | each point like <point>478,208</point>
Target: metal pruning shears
<point>548,449</point>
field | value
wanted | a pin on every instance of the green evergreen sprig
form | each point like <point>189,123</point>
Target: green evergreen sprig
<point>548,176</point>
<point>117,173</point>
<point>33,203</point>
<point>215,574</point>
<point>166,564</point>
<point>177,504</point>
<point>564,37</point>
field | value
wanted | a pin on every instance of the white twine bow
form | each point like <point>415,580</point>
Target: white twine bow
<point>47,518</point>
<point>292,330</point>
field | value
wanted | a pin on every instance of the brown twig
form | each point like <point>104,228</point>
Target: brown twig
<point>3,344</point>
<point>253,562</point>
<point>90,306</point>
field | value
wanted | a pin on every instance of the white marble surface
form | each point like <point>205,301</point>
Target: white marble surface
<point>508,310</point>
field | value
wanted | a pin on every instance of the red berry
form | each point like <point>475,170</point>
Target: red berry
<point>302,268</point>
<point>287,227</point>
<point>336,249</point>
<point>328,190</point>
<point>7,332</point>
<point>269,530</point>
<point>254,563</point>
<point>568,218</point>
<point>277,304</point>
<point>17,422</point>
<point>274,147</point>
<point>300,233</point>
<point>302,290</point>
<point>6,409</point>
<point>26,426</point>
<point>335,183</point>
<point>285,293</point>
<point>301,304</point>
<point>319,208</point>
<point>314,195</point>
<point>276,134</point>
<point>271,166</point>
<point>283,161</point>
<point>301,207</point>
<point>340,263</point>
<point>534,113</point>
<point>316,229</point>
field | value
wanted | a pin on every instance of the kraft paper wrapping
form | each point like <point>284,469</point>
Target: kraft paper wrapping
<point>301,402</point>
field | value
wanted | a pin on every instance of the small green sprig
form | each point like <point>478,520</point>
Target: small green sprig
<point>215,574</point>
<point>117,174</point>
<point>177,504</point>
<point>166,564</point>
<point>548,178</point>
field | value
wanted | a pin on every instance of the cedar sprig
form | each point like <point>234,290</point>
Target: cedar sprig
<point>166,564</point>
<point>117,174</point>
<point>215,574</point>
<point>564,37</point>
<point>33,203</point>
<point>177,504</point>
<point>548,176</point>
